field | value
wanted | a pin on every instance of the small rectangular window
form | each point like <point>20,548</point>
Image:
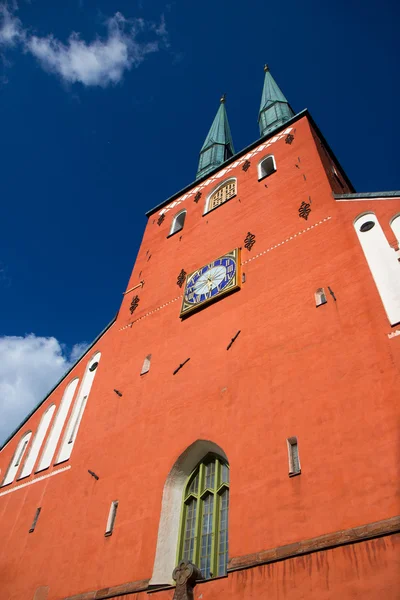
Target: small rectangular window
<point>111,518</point>
<point>146,365</point>
<point>37,513</point>
<point>320,297</point>
<point>293,455</point>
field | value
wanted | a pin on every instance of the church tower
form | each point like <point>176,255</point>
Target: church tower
<point>233,432</point>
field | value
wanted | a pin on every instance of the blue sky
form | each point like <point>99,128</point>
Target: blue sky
<point>87,120</point>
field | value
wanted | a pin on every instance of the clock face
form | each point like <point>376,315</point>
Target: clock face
<point>211,281</point>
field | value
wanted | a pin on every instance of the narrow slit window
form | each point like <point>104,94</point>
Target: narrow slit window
<point>146,365</point>
<point>178,222</point>
<point>111,518</point>
<point>20,454</point>
<point>320,297</point>
<point>77,420</point>
<point>35,519</point>
<point>293,454</point>
<point>266,167</point>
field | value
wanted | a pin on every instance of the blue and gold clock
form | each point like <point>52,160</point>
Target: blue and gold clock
<point>212,281</point>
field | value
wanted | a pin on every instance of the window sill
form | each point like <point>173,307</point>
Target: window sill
<point>295,474</point>
<point>174,233</point>
<point>219,205</point>
<point>268,175</point>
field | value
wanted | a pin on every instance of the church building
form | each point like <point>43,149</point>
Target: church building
<point>233,433</point>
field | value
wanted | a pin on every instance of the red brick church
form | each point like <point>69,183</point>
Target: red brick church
<point>234,432</point>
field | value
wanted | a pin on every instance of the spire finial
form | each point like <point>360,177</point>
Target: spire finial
<point>266,68</point>
<point>223,99</point>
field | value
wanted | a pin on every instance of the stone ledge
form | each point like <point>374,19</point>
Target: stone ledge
<point>111,592</point>
<point>323,542</point>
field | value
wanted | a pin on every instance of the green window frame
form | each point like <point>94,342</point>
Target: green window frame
<point>203,535</point>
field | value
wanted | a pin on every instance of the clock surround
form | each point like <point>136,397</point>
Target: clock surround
<point>211,282</point>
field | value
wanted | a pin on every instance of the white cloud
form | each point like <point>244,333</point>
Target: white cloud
<point>11,31</point>
<point>100,62</point>
<point>29,367</point>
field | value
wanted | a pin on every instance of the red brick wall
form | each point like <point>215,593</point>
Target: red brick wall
<point>325,375</point>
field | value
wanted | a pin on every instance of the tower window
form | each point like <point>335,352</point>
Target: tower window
<point>111,518</point>
<point>320,297</point>
<point>146,365</point>
<point>178,222</point>
<point>204,530</point>
<point>293,455</point>
<point>266,167</point>
<point>223,193</point>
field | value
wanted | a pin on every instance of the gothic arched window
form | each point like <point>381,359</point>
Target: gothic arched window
<point>221,194</point>
<point>204,529</point>
<point>178,222</point>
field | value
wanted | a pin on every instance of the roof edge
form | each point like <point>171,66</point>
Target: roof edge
<point>58,382</point>
<point>297,117</point>
<point>368,195</point>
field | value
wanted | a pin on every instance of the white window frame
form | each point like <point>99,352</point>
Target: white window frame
<point>291,443</point>
<point>16,460</point>
<point>318,297</point>
<point>111,518</point>
<point>259,167</point>
<point>207,209</point>
<point>37,443</point>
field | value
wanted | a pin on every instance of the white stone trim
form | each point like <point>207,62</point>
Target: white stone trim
<point>168,530</point>
<point>215,178</point>
<point>23,485</point>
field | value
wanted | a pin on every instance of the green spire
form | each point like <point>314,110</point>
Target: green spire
<point>274,108</point>
<point>218,146</point>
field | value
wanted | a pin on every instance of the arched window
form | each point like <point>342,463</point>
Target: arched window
<point>58,424</point>
<point>78,409</point>
<point>382,262</point>
<point>224,192</point>
<point>37,442</point>
<point>178,222</point>
<point>266,167</point>
<point>17,458</point>
<point>395,225</point>
<point>204,528</point>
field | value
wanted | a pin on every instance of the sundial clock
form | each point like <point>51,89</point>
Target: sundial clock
<point>212,281</point>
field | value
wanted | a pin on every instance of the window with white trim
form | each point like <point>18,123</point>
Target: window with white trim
<point>178,222</point>
<point>320,297</point>
<point>37,442</point>
<point>17,458</point>
<point>293,456</point>
<point>204,527</point>
<point>266,167</point>
<point>224,192</point>
<point>382,262</point>
<point>146,365</point>
<point>78,410</point>
<point>111,518</point>
<point>57,427</point>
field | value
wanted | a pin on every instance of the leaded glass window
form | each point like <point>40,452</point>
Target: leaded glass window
<point>222,194</point>
<point>204,531</point>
